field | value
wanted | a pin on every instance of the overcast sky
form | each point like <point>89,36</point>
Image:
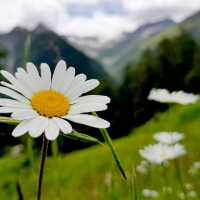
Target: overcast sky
<point>104,18</point>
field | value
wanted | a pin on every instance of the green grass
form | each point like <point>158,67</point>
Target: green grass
<point>81,174</point>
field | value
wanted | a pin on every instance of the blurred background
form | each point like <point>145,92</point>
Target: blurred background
<point>130,46</point>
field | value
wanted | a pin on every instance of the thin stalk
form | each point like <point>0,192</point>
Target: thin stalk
<point>43,158</point>
<point>134,186</point>
<point>179,178</point>
<point>165,180</point>
<point>109,142</point>
<point>19,191</point>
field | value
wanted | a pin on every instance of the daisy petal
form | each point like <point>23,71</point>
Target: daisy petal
<point>34,76</point>
<point>46,75</point>
<point>69,76</point>
<point>86,87</point>
<point>14,95</point>
<point>76,83</point>
<point>91,99</point>
<point>22,128</point>
<point>64,125</point>
<point>58,75</point>
<point>86,107</point>
<point>9,109</point>
<point>52,130</point>
<point>16,83</point>
<point>14,103</point>
<point>88,120</point>
<point>9,86</point>
<point>24,114</point>
<point>38,126</point>
<point>28,83</point>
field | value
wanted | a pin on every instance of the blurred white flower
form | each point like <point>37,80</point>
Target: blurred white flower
<point>192,194</point>
<point>181,195</point>
<point>144,163</point>
<point>167,189</point>
<point>180,97</point>
<point>196,165</point>
<point>142,169</point>
<point>154,194</point>
<point>158,153</point>
<point>194,169</point>
<point>168,137</point>
<point>150,193</point>
<point>146,192</point>
<point>166,163</point>
<point>95,193</point>
<point>188,186</point>
<point>108,179</point>
<point>16,150</point>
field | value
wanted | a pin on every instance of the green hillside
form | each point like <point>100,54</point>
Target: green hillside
<point>191,25</point>
<point>81,174</point>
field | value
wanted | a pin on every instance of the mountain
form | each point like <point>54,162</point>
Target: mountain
<point>48,47</point>
<point>190,25</point>
<point>91,46</point>
<point>106,50</point>
<point>119,46</point>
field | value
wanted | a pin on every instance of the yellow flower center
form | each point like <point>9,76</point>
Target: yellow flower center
<point>163,155</point>
<point>50,104</point>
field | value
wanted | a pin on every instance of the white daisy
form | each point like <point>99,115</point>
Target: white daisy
<point>44,104</point>
<point>158,153</point>
<point>180,97</point>
<point>168,137</point>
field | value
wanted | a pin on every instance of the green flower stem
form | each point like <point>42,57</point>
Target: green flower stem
<point>179,178</point>
<point>43,158</point>
<point>109,142</point>
<point>134,186</point>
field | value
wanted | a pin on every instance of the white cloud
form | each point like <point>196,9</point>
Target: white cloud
<point>89,2</point>
<point>99,25</point>
<point>175,9</point>
<point>28,13</point>
<point>53,14</point>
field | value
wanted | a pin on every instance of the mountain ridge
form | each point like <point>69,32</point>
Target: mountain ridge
<point>191,25</point>
<point>47,46</point>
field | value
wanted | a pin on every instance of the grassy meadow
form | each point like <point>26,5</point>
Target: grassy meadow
<point>91,174</point>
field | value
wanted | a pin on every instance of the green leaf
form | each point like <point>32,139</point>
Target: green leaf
<point>109,142</point>
<point>9,120</point>
<point>81,137</point>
